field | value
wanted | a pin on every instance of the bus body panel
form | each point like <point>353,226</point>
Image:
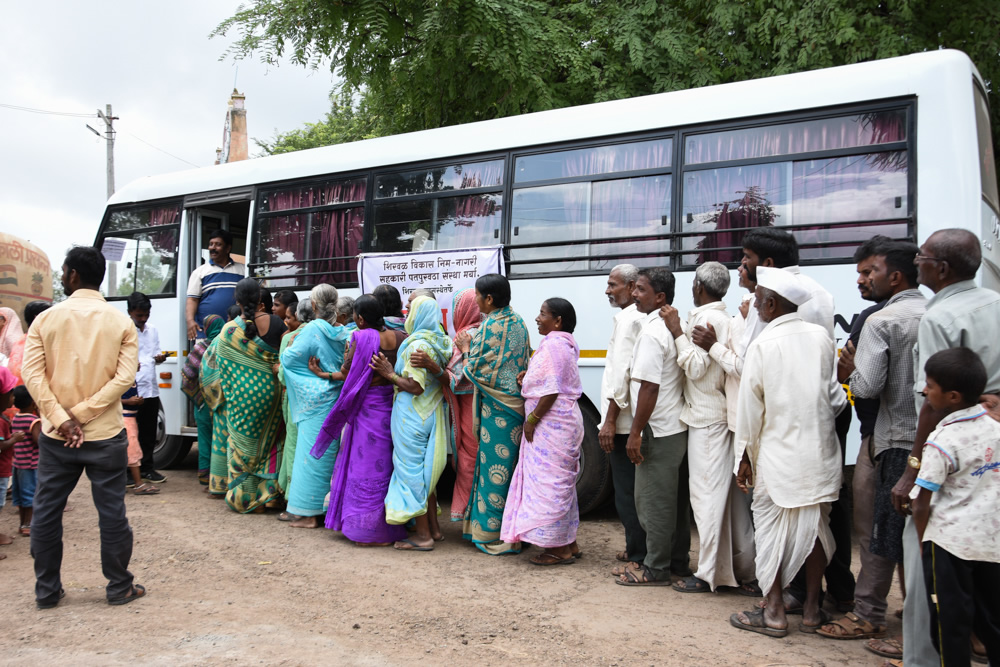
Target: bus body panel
<point>945,191</point>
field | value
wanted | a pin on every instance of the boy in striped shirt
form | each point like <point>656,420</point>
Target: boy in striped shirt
<point>26,421</point>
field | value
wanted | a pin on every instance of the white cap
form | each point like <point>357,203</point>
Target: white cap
<point>783,283</point>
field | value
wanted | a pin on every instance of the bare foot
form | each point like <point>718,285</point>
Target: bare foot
<point>6,539</point>
<point>305,522</point>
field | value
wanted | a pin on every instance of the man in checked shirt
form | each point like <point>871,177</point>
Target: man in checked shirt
<point>883,369</point>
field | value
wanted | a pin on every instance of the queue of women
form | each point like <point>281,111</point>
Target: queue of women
<point>346,413</point>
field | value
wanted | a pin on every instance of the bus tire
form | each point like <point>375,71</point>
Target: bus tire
<point>593,483</point>
<point>170,450</point>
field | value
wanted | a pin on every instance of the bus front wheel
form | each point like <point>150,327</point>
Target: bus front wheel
<point>170,450</point>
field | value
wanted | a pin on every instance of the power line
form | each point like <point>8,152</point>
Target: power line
<point>161,150</point>
<point>46,112</point>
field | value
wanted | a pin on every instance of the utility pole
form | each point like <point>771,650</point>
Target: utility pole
<point>110,132</point>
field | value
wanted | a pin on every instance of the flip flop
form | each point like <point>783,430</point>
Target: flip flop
<point>288,516</point>
<point>145,490</point>
<point>545,559</point>
<point>138,591</point>
<point>413,546</point>
<point>756,623</point>
<point>25,531</point>
<point>632,578</point>
<point>824,618</point>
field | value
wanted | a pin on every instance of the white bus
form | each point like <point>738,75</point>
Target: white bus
<point>899,147</point>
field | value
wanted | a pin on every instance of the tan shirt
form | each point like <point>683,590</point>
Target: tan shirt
<point>81,355</point>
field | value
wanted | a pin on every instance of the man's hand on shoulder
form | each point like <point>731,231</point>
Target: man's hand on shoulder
<point>704,337</point>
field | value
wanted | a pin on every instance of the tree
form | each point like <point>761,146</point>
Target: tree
<point>430,64</point>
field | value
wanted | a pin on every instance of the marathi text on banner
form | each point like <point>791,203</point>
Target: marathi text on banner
<point>443,272</point>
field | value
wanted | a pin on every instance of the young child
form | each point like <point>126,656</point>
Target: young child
<point>26,421</point>
<point>130,402</point>
<point>956,507</point>
<point>7,439</point>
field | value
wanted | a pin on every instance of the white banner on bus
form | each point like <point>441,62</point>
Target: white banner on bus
<point>443,272</point>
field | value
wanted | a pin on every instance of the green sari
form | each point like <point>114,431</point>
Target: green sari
<point>236,376</point>
<point>291,428</point>
<point>498,353</point>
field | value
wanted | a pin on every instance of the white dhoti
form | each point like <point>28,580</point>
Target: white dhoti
<point>721,511</point>
<point>785,536</point>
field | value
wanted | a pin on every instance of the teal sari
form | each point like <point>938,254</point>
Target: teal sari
<point>498,353</point>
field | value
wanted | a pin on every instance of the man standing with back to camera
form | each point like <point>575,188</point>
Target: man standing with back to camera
<point>80,357</point>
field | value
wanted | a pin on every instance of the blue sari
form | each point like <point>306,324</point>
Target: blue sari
<point>420,424</point>
<point>309,400</point>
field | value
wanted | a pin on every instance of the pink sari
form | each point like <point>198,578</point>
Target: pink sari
<point>541,505</point>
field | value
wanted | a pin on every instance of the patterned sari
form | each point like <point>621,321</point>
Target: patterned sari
<point>542,507</point>
<point>236,373</point>
<point>419,423</point>
<point>499,351</point>
<point>291,430</point>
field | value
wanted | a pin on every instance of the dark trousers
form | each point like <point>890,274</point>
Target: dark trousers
<point>59,470</point>
<point>839,578</point>
<point>964,597</point>
<point>623,476</point>
<point>145,419</point>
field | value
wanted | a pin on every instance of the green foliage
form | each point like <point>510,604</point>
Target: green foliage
<point>431,63</point>
<point>348,120</point>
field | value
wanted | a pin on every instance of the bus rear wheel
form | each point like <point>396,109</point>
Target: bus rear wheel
<point>170,450</point>
<point>593,483</point>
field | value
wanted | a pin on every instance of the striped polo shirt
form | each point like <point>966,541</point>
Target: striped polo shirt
<point>26,451</point>
<point>215,287</point>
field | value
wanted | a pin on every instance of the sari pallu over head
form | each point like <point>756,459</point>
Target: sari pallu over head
<point>423,326</point>
<point>191,372</point>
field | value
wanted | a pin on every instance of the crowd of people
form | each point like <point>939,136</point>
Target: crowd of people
<point>344,413</point>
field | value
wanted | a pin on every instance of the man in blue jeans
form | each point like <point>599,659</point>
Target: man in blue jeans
<point>80,357</point>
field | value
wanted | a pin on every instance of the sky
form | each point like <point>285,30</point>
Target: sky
<point>156,66</point>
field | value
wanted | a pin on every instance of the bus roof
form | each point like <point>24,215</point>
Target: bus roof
<point>880,79</point>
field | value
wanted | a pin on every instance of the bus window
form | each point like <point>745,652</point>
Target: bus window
<point>302,248</point>
<point>589,212</point>
<point>141,260</point>
<point>438,223</point>
<point>440,178</point>
<point>830,203</point>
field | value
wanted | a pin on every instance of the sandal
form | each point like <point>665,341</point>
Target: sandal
<point>749,589</point>
<point>692,585</point>
<point>622,557</point>
<point>137,592</point>
<point>641,576</point>
<point>145,489</point>
<point>410,546</point>
<point>619,570</point>
<point>851,627</point>
<point>887,648</point>
<point>25,530</point>
<point>755,623</point>
<point>547,558</point>
<point>824,619</point>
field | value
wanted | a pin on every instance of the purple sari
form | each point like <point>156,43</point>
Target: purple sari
<point>364,463</point>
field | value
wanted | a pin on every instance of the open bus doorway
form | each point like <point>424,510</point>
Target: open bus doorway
<point>203,219</point>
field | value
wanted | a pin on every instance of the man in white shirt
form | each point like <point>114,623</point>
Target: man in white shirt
<point>148,412</point>
<point>657,441</point>
<point>725,529</point>
<point>773,247</point>
<point>793,463</point>
<point>616,411</point>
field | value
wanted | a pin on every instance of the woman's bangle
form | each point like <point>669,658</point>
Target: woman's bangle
<point>439,373</point>
<point>392,378</point>
<point>533,418</point>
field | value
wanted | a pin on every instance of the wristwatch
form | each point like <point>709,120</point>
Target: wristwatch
<point>913,462</point>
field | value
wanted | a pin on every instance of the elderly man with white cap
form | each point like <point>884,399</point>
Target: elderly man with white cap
<point>787,449</point>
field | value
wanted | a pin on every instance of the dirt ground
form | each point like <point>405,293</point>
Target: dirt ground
<point>229,589</point>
